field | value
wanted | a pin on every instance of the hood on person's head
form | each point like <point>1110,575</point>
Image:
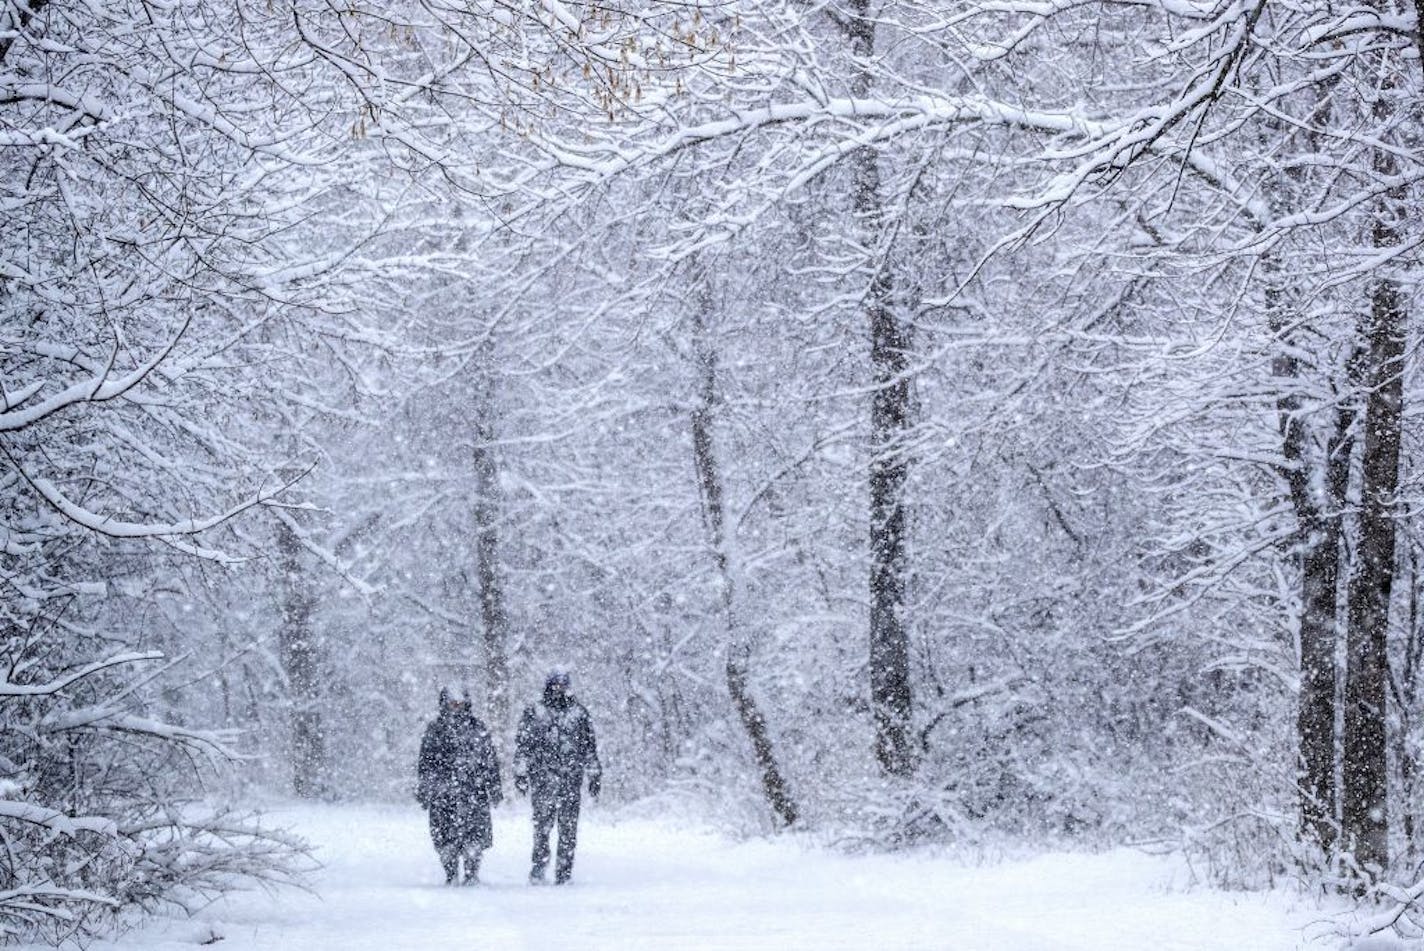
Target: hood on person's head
<point>556,687</point>
<point>454,699</point>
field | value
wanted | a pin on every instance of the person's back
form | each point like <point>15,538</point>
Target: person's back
<point>457,756</point>
<point>554,750</point>
<point>458,781</point>
<point>556,741</point>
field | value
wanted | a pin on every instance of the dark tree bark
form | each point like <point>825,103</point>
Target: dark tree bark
<point>709,479</point>
<point>494,624</point>
<point>300,662</point>
<point>1404,687</point>
<point>1318,539</point>
<point>890,694</point>
<point>1364,807</point>
<point>1364,786</point>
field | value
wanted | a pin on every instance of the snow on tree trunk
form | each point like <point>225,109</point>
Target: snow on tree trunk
<point>890,695</point>
<point>1315,716</point>
<point>1364,783</point>
<point>738,663</point>
<point>494,624</point>
<point>1317,495</point>
<point>1404,690</point>
<point>1364,786</point>
<point>301,664</point>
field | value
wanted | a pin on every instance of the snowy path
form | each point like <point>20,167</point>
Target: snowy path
<point>646,885</point>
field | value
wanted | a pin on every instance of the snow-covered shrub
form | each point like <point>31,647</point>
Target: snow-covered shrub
<point>100,810</point>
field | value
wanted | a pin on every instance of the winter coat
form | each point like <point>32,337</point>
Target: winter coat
<point>555,746</point>
<point>458,778</point>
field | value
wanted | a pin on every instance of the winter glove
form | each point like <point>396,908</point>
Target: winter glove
<point>521,785</point>
<point>594,785</point>
<point>496,795</point>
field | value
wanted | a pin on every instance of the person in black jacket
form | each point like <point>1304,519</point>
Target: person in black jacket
<point>458,781</point>
<point>553,752</point>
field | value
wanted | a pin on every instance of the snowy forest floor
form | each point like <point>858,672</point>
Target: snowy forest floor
<point>645,884</point>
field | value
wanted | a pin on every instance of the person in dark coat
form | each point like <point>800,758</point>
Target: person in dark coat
<point>553,752</point>
<point>458,781</point>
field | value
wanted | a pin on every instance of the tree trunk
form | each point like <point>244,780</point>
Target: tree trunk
<point>1404,686</point>
<point>1364,803</point>
<point>1315,717</point>
<point>494,622</point>
<point>709,478</point>
<point>300,662</point>
<point>1363,795</point>
<point>890,696</point>
<point>1318,540</point>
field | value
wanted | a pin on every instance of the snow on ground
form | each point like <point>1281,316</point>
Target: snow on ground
<point>642,884</point>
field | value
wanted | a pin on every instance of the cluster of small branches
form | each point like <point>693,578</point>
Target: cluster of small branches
<point>100,809</point>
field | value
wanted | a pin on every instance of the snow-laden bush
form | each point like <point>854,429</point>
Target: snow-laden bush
<point>99,801</point>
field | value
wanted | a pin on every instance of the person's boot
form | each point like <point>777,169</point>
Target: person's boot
<point>472,869</point>
<point>536,876</point>
<point>450,862</point>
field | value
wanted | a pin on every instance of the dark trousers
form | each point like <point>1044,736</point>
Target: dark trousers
<point>450,856</point>
<point>460,829</point>
<point>555,803</point>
